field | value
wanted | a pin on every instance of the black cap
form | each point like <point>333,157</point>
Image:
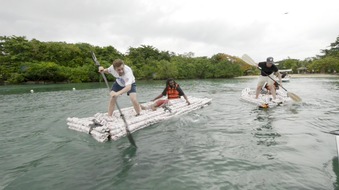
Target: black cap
<point>270,60</point>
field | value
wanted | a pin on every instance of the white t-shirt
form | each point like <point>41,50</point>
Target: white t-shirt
<point>124,80</point>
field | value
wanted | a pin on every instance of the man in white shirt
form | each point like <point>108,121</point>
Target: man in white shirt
<point>125,82</point>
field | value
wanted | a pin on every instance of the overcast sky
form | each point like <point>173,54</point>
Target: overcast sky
<point>259,28</point>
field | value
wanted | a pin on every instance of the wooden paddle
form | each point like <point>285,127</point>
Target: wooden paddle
<point>250,61</point>
<point>128,133</point>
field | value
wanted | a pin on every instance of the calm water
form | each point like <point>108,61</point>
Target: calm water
<point>227,145</point>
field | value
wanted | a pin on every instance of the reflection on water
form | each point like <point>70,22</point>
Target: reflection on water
<point>335,166</point>
<point>127,156</point>
<point>264,133</point>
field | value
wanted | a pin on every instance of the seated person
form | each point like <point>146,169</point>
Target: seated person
<point>265,89</point>
<point>172,91</point>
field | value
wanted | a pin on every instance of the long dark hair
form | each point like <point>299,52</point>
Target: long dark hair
<point>168,81</point>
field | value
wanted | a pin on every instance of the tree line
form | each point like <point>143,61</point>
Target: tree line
<point>23,60</point>
<point>327,62</point>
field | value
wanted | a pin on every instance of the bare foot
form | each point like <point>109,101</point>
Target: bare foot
<point>153,107</point>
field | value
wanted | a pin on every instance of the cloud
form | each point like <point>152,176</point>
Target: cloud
<point>259,28</point>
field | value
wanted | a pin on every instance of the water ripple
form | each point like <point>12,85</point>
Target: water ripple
<point>228,145</point>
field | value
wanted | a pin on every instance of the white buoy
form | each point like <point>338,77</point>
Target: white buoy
<point>32,91</point>
<point>73,89</point>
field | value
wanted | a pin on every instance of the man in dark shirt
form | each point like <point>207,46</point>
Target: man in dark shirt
<point>267,69</point>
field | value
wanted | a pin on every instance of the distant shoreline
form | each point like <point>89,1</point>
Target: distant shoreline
<point>300,76</point>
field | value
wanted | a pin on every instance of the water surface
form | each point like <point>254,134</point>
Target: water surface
<point>228,145</point>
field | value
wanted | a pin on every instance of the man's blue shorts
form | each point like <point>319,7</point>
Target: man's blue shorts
<point>116,87</point>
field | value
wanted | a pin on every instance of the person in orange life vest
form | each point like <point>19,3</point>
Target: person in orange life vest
<point>172,91</point>
<point>125,82</point>
<point>267,69</point>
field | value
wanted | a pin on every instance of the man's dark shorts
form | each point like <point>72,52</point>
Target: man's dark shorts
<point>116,87</point>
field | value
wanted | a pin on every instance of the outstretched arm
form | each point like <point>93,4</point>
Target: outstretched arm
<point>157,97</point>
<point>181,93</point>
<point>188,102</point>
<point>161,95</point>
<point>279,77</point>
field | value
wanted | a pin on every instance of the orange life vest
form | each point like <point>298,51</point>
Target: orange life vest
<point>172,93</point>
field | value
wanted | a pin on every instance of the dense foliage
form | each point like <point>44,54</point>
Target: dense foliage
<point>23,60</point>
<point>326,63</point>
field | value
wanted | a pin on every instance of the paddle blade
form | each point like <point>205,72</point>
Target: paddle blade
<point>294,97</point>
<point>131,140</point>
<point>95,59</point>
<point>248,60</point>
